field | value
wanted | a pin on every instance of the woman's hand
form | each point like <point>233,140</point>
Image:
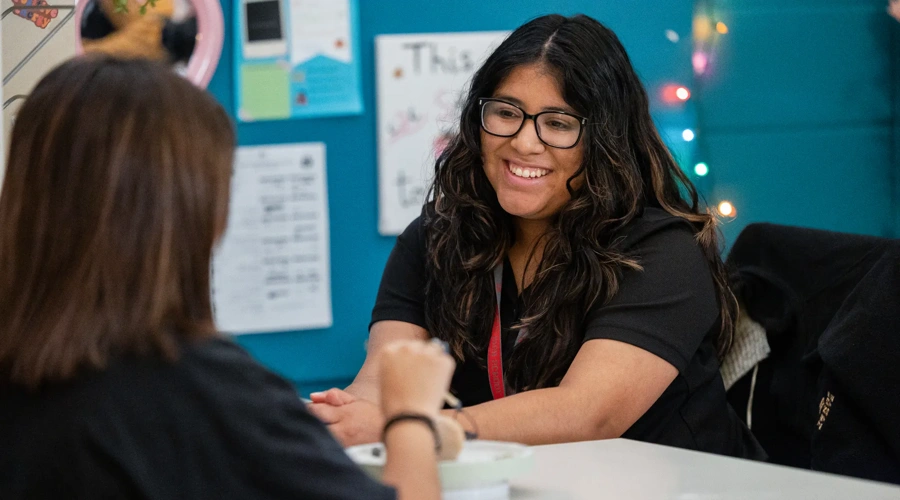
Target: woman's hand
<point>414,378</point>
<point>351,420</point>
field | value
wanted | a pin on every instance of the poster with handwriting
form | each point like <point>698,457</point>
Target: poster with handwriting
<point>271,271</point>
<point>421,82</point>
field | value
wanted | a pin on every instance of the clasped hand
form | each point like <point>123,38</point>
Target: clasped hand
<point>351,420</point>
<point>413,377</point>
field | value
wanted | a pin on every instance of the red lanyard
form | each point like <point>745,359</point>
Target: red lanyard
<point>495,348</point>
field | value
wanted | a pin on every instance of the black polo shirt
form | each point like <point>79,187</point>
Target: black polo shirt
<point>669,309</point>
<point>214,424</point>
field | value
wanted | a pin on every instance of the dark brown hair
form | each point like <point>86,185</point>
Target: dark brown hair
<point>626,167</point>
<point>115,192</point>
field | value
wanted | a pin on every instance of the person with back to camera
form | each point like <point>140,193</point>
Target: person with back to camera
<point>113,380</point>
<point>583,296</point>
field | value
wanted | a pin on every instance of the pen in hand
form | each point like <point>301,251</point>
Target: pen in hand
<point>451,400</point>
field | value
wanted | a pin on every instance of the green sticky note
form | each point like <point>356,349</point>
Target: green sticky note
<point>265,92</point>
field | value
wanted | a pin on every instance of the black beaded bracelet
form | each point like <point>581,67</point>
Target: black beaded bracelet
<point>400,417</point>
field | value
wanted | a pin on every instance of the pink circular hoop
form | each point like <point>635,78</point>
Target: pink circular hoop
<point>211,33</point>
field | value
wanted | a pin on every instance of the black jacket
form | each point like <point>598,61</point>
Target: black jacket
<point>828,397</point>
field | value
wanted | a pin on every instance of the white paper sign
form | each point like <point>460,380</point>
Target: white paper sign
<point>422,80</point>
<point>271,271</point>
<point>320,27</point>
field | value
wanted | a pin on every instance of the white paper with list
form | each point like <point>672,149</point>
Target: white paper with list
<point>271,271</point>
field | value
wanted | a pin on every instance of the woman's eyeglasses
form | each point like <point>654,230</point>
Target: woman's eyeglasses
<point>556,129</point>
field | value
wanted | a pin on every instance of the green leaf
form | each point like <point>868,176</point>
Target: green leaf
<point>122,6</point>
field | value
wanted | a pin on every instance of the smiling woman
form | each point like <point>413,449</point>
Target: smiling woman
<point>582,295</point>
<point>530,161</point>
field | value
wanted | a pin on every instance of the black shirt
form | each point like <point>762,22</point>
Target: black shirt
<point>669,309</point>
<point>214,424</point>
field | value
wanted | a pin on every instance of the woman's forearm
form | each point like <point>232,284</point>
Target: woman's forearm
<point>365,389</point>
<point>411,465</point>
<point>543,416</point>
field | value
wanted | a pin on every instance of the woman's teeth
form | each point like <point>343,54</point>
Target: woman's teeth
<point>528,173</point>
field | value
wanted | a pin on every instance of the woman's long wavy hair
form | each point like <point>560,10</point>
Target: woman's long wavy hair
<point>626,167</point>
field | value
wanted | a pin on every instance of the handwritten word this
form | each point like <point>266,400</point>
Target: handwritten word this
<point>429,58</point>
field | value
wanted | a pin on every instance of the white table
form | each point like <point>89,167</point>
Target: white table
<point>629,470</point>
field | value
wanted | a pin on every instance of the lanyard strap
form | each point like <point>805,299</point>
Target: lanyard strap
<point>495,354</point>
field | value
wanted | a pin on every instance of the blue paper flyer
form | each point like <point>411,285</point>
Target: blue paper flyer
<point>297,59</point>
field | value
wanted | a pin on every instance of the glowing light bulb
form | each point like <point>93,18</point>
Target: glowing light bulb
<point>675,94</point>
<point>721,27</point>
<point>701,169</point>
<point>702,28</point>
<point>687,135</point>
<point>726,209</point>
<point>700,61</point>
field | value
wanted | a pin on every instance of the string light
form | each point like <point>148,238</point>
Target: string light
<point>675,94</point>
<point>703,29</point>
<point>700,61</point>
<point>672,35</point>
<point>707,32</point>
<point>726,209</point>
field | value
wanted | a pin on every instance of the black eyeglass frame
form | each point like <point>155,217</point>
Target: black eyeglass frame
<point>525,117</point>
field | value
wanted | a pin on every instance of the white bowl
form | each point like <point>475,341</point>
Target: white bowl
<point>485,465</point>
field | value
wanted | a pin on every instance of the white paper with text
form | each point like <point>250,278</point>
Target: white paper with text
<point>271,271</point>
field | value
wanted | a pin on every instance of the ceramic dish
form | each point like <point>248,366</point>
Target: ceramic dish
<point>479,464</point>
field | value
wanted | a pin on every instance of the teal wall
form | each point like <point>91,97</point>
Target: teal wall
<point>798,114</point>
<point>321,358</point>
